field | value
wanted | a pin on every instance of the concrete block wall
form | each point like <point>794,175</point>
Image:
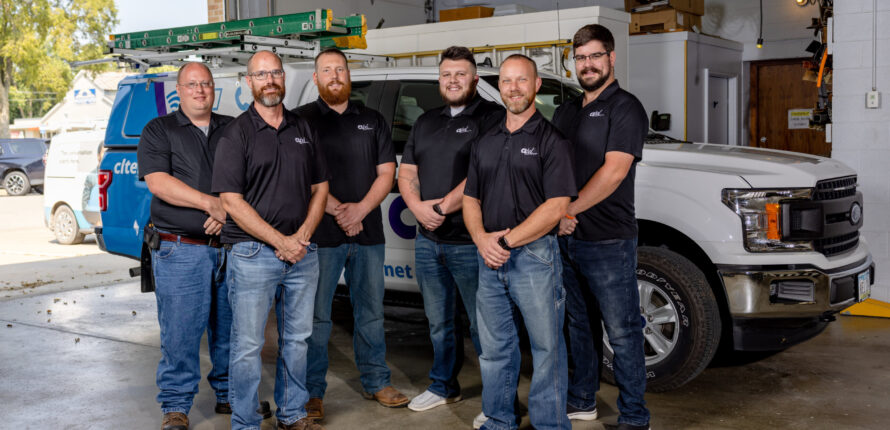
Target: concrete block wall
<point>860,136</point>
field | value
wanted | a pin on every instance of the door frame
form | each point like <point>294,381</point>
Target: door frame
<point>732,103</point>
<point>753,93</point>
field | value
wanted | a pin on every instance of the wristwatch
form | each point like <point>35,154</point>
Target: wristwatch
<point>502,241</point>
<point>438,209</point>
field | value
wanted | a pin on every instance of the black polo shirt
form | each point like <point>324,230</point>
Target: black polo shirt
<point>615,121</point>
<point>273,168</point>
<point>172,144</point>
<point>353,144</point>
<point>439,145</point>
<point>514,173</point>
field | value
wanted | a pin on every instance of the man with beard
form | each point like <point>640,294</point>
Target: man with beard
<point>607,126</point>
<point>431,180</point>
<point>519,184</point>
<point>356,143</point>
<point>272,179</point>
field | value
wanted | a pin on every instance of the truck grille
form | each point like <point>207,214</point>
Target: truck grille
<point>838,244</point>
<point>837,188</point>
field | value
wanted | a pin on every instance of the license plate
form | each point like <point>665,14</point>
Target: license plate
<point>864,285</point>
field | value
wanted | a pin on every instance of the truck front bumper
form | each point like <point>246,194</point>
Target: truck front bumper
<point>776,306</point>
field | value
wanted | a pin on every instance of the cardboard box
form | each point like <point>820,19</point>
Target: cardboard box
<point>663,20</point>
<point>695,7</point>
<point>470,12</point>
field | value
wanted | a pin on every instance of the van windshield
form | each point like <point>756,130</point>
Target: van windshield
<point>549,97</point>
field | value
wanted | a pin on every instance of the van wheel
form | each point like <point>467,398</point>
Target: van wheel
<point>65,226</point>
<point>681,320</point>
<point>17,183</point>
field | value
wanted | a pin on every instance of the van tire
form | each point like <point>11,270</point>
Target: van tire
<point>678,284</point>
<point>16,183</point>
<point>65,226</point>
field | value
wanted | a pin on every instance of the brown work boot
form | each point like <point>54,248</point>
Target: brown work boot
<point>303,424</point>
<point>315,409</point>
<point>389,397</point>
<point>175,421</point>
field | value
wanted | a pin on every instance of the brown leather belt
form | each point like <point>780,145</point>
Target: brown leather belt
<point>167,237</point>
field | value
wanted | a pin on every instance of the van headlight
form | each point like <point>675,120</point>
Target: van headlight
<point>761,213</point>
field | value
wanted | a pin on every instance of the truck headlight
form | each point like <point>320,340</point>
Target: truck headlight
<point>761,214</point>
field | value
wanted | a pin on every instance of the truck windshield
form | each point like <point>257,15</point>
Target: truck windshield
<point>550,96</point>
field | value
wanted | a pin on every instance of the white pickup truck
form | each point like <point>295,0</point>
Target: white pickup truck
<point>741,248</point>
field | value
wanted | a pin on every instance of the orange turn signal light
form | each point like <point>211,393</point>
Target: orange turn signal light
<point>772,221</point>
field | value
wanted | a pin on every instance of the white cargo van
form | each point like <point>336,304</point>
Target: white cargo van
<point>71,194</point>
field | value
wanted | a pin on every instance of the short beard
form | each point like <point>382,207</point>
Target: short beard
<point>269,100</point>
<point>333,98</point>
<point>597,84</point>
<point>463,99</point>
<point>522,106</point>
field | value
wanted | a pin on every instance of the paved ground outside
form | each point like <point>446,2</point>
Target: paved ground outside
<point>79,351</point>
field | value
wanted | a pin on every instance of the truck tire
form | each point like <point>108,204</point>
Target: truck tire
<point>17,183</point>
<point>65,226</point>
<point>681,320</point>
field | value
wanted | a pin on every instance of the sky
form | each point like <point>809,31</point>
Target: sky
<point>139,15</point>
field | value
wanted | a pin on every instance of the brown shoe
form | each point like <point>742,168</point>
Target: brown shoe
<point>315,409</point>
<point>175,421</point>
<point>303,424</point>
<point>389,397</point>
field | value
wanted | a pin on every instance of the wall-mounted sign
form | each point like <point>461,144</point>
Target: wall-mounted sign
<point>799,118</point>
<point>85,96</point>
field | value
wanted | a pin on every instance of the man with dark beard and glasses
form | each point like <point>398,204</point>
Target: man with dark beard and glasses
<point>519,184</point>
<point>607,126</point>
<point>356,143</point>
<point>431,180</point>
<point>272,179</point>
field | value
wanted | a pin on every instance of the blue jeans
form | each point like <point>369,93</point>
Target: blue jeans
<point>443,271</point>
<point>257,281</point>
<point>607,269</point>
<point>364,278</point>
<point>190,288</point>
<point>530,282</point>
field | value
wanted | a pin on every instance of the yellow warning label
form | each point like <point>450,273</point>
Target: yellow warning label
<point>209,36</point>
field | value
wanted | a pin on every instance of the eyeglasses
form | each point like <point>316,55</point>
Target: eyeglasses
<point>263,74</point>
<point>193,85</point>
<point>594,56</point>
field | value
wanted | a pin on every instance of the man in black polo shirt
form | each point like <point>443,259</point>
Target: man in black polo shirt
<point>175,153</point>
<point>519,184</point>
<point>356,143</point>
<point>431,180</point>
<point>272,179</point>
<point>607,126</point>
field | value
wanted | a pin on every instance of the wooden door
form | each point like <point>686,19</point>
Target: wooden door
<point>777,87</point>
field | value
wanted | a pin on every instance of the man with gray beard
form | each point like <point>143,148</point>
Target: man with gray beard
<point>272,180</point>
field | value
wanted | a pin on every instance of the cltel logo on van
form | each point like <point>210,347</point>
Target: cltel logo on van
<point>365,127</point>
<point>126,167</point>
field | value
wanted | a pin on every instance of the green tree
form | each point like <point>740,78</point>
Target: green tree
<point>37,39</point>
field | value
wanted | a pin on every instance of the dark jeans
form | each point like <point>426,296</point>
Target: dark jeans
<point>607,269</point>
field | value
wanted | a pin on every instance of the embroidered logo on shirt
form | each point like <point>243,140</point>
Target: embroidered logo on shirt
<point>597,114</point>
<point>528,151</point>
<point>301,140</point>
<point>463,130</point>
<point>365,127</point>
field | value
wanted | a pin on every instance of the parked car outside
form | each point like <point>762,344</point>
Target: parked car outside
<point>71,197</point>
<point>22,163</point>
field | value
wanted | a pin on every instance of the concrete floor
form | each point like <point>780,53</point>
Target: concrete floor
<point>79,348</point>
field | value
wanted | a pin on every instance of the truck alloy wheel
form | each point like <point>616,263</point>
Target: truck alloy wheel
<point>65,226</point>
<point>681,328</point>
<point>17,183</point>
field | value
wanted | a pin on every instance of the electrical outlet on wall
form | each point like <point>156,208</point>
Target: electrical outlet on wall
<point>873,100</point>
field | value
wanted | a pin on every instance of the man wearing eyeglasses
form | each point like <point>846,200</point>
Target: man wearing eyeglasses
<point>357,145</point>
<point>607,126</point>
<point>272,179</point>
<point>175,156</point>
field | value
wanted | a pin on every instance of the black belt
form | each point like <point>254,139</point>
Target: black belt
<point>212,242</point>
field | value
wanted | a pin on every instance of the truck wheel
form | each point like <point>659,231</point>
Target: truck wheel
<point>16,183</point>
<point>681,320</point>
<point>65,226</point>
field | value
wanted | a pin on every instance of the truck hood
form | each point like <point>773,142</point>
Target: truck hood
<point>762,168</point>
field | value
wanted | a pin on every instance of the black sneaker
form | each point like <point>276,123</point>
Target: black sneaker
<point>625,426</point>
<point>581,414</point>
<point>226,409</point>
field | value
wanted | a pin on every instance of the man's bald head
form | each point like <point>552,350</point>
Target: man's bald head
<point>262,55</point>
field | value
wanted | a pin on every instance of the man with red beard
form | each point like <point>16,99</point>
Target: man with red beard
<point>607,126</point>
<point>272,180</point>
<point>431,180</point>
<point>356,143</point>
<point>518,186</point>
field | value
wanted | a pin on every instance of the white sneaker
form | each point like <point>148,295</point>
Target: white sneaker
<point>479,421</point>
<point>581,414</point>
<point>428,400</point>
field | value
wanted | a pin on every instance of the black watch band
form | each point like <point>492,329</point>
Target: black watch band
<point>438,209</point>
<point>502,241</point>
